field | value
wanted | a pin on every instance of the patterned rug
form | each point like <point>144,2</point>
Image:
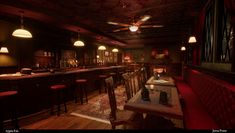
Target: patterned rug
<point>98,107</point>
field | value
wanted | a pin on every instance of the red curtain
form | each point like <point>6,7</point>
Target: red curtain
<point>230,6</point>
<point>198,30</point>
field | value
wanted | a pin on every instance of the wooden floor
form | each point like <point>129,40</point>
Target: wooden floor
<point>45,121</point>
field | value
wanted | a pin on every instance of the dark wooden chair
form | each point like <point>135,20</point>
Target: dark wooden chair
<point>127,82</point>
<point>120,117</point>
<point>134,82</point>
<point>144,75</point>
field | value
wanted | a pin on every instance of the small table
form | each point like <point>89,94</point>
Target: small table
<point>164,80</point>
<point>153,107</point>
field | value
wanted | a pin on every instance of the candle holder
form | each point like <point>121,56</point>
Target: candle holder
<point>157,72</point>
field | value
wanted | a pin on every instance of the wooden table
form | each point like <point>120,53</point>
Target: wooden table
<point>152,107</point>
<point>164,80</point>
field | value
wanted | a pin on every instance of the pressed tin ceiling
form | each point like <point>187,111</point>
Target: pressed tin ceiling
<point>90,17</point>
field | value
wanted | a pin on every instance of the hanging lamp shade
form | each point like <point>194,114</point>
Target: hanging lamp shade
<point>115,50</point>
<point>79,43</point>
<point>4,50</point>
<point>182,48</point>
<point>101,47</point>
<point>192,39</point>
<point>22,33</point>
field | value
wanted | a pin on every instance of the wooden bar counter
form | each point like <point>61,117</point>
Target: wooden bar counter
<point>33,89</point>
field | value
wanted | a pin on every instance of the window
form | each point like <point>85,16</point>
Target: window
<point>225,44</point>
<point>207,51</point>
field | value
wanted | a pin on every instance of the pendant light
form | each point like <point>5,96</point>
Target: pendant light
<point>101,47</point>
<point>115,50</point>
<point>22,33</point>
<point>79,43</point>
<point>4,50</point>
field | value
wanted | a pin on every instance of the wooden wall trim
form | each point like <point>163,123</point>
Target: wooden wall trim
<point>226,76</point>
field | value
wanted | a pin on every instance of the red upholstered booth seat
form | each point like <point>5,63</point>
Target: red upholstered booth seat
<point>209,102</point>
<point>195,116</point>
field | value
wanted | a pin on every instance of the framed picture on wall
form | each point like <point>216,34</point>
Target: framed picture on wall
<point>106,53</point>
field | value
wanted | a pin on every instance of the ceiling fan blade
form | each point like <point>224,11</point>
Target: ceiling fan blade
<point>121,29</point>
<point>143,19</point>
<point>116,23</point>
<point>151,26</point>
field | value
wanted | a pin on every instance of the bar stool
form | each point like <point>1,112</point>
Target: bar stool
<point>58,90</point>
<point>8,100</point>
<point>81,88</point>
<point>102,78</point>
<point>114,75</point>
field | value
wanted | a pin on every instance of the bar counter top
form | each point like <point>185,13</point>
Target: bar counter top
<point>18,75</point>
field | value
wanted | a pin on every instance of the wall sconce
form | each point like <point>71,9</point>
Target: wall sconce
<point>4,50</point>
<point>192,39</point>
<point>183,48</point>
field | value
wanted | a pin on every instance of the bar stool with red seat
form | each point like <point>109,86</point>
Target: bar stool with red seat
<point>81,89</point>
<point>58,90</point>
<point>8,100</point>
<point>102,78</point>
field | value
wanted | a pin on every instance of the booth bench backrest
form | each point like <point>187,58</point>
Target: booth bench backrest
<point>217,96</point>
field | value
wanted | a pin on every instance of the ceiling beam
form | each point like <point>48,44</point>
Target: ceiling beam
<point>6,9</point>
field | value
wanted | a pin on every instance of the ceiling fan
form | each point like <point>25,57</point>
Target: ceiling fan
<point>135,25</point>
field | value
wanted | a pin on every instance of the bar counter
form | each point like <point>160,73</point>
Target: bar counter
<point>33,90</point>
<point>16,76</point>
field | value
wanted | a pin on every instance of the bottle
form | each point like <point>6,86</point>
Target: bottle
<point>145,94</point>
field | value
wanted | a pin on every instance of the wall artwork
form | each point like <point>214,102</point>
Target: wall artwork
<point>160,55</point>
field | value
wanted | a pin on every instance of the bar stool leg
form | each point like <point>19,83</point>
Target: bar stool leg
<point>14,117</point>
<point>104,85</point>
<point>51,112</point>
<point>100,87</point>
<point>76,95</point>
<point>81,93</point>
<point>58,104</point>
<point>85,92</point>
<point>65,107</point>
<point>1,124</point>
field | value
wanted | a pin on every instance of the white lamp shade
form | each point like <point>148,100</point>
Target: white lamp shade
<point>4,50</point>
<point>183,48</point>
<point>79,43</point>
<point>133,28</point>
<point>115,50</point>
<point>22,33</point>
<point>192,39</point>
<point>101,47</point>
